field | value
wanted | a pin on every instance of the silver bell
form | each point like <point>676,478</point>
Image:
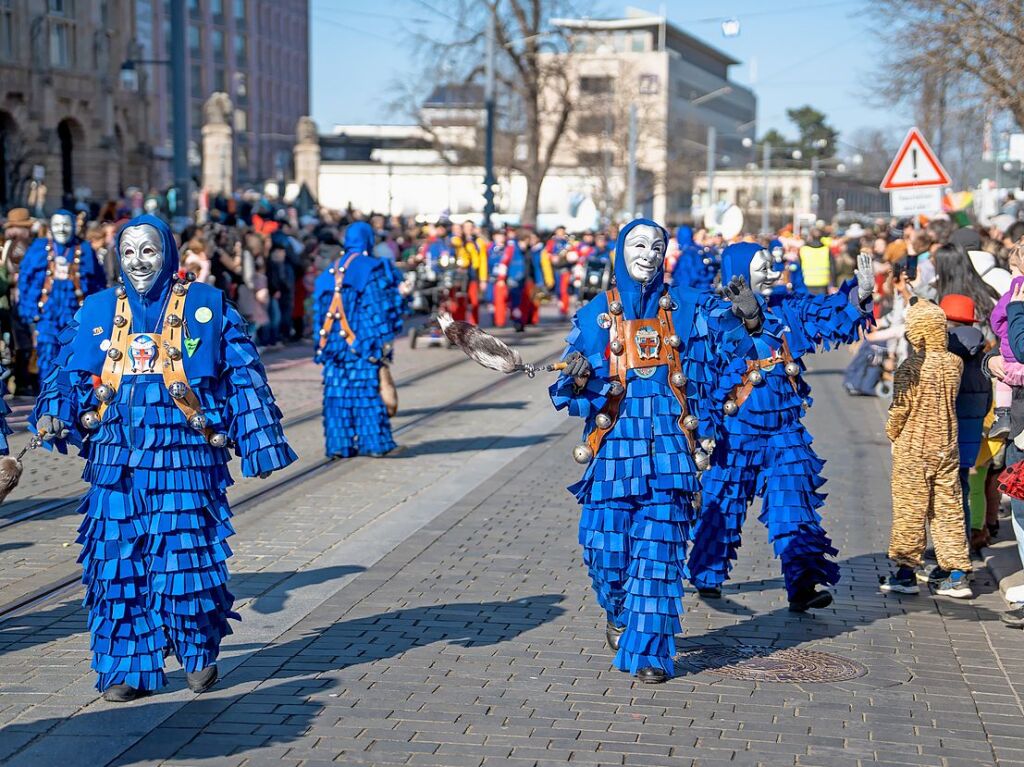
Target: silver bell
<point>755,376</point>
<point>707,261</point>
<point>173,320</point>
<point>179,289</point>
<point>219,440</point>
<point>701,459</point>
<point>792,369</point>
<point>615,307</point>
<point>665,302</point>
<point>730,407</point>
<point>603,420</point>
<point>79,295</point>
<point>177,390</point>
<point>174,352</point>
<point>674,341</point>
<point>690,422</point>
<point>322,332</point>
<point>582,454</point>
<point>604,320</point>
<point>120,320</point>
<point>616,347</point>
<point>121,292</point>
<point>197,422</point>
<point>678,379</point>
<point>114,354</point>
<point>190,276</point>
<point>104,392</point>
<point>90,420</point>
<point>616,389</point>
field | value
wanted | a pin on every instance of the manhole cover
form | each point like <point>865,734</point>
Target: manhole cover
<point>762,663</point>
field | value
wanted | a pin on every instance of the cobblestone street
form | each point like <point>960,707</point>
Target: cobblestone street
<point>431,609</point>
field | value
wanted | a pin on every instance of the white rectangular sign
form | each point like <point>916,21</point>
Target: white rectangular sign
<point>915,201</point>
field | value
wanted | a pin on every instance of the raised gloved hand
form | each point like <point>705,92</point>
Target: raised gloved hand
<point>865,276</point>
<point>577,367</point>
<point>51,428</point>
<point>744,302</point>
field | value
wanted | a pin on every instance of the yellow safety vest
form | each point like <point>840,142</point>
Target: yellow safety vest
<point>815,263</point>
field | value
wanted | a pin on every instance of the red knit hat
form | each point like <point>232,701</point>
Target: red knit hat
<point>958,308</point>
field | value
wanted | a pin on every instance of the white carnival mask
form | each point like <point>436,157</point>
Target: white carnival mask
<point>62,228</point>
<point>644,251</point>
<point>763,276</point>
<point>142,256</point>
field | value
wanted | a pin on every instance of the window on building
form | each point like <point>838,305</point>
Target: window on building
<point>62,43</point>
<point>65,8</point>
<point>592,85</point>
<point>7,38</point>
<point>596,124</point>
<point>650,85</point>
<point>195,79</point>
<point>217,11</point>
<point>641,42</point>
<point>220,80</point>
<point>241,55</point>
<point>241,120</point>
<point>217,41</point>
<point>193,9</point>
<point>240,92</point>
<point>240,10</point>
<point>195,41</point>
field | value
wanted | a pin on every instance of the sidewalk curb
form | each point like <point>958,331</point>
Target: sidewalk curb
<point>1003,561</point>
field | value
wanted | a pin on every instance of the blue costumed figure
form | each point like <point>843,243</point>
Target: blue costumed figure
<point>54,278</point>
<point>763,447</point>
<point>695,266</point>
<point>636,363</point>
<point>357,309</point>
<point>157,383</point>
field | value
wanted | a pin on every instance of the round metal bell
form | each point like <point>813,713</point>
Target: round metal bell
<point>323,332</point>
<point>178,389</point>
<point>755,376</point>
<point>121,291</point>
<point>707,261</point>
<point>190,277</point>
<point>173,320</point>
<point>604,320</point>
<point>219,440</point>
<point>678,379</point>
<point>179,289</point>
<point>616,389</point>
<point>582,454</point>
<point>90,420</point>
<point>616,347</point>
<point>79,295</point>
<point>665,302</point>
<point>690,422</point>
<point>674,341</point>
<point>104,392</point>
<point>730,407</point>
<point>197,422</point>
<point>174,352</point>
<point>337,315</point>
<point>114,354</point>
<point>615,307</point>
<point>792,369</point>
<point>44,292</point>
<point>603,420</point>
<point>36,318</point>
<point>701,459</point>
<point>331,270</point>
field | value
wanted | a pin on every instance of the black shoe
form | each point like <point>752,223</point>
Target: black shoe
<point>613,634</point>
<point>123,693</point>
<point>810,600</point>
<point>1013,618</point>
<point>203,680</point>
<point>652,676</point>
<point>710,592</point>
<point>993,528</point>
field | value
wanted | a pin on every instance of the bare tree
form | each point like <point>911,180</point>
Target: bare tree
<point>534,89</point>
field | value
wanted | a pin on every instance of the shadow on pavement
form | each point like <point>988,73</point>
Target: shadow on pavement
<point>463,444</point>
<point>14,546</point>
<point>469,407</point>
<point>296,673</point>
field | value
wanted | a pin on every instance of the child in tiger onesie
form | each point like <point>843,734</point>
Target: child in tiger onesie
<point>922,426</point>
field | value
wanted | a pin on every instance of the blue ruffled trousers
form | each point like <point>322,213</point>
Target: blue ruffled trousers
<point>783,470</point>
<point>46,357</point>
<point>634,550</point>
<point>355,420</point>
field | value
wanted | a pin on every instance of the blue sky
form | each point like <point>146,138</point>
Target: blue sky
<point>793,52</point>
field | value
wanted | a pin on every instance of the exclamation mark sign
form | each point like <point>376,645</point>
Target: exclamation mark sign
<point>913,161</point>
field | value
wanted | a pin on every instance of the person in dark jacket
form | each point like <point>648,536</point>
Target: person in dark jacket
<point>975,395</point>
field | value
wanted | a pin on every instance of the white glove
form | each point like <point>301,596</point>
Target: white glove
<point>865,276</point>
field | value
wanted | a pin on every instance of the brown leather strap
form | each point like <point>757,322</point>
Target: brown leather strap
<point>617,372</point>
<point>742,391</point>
<point>113,369</point>
<point>337,308</point>
<point>675,365</point>
<point>73,275</point>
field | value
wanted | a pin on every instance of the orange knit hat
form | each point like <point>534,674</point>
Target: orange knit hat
<point>958,308</point>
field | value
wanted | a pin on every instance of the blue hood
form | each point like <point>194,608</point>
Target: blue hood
<point>640,301</point>
<point>684,236</point>
<point>359,238</point>
<point>736,260</point>
<point>147,309</point>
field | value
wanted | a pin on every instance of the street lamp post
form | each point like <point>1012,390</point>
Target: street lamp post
<point>766,163</point>
<point>489,181</point>
<point>712,142</point>
<point>179,100</point>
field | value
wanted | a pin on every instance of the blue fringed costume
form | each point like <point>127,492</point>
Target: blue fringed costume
<point>695,266</point>
<point>763,448</point>
<point>637,491</point>
<point>355,340</point>
<point>53,281</point>
<point>171,385</point>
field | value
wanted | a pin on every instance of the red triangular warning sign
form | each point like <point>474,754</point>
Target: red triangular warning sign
<point>915,165</point>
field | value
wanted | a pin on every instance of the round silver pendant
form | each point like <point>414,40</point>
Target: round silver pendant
<point>604,320</point>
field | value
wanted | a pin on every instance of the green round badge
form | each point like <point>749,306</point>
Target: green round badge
<point>203,314</point>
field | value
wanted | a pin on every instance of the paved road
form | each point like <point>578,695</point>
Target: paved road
<point>431,609</point>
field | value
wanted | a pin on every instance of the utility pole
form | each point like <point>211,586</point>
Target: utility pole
<point>766,164</point>
<point>179,110</point>
<point>712,147</point>
<point>631,176</point>
<point>815,164</point>
<point>489,180</point>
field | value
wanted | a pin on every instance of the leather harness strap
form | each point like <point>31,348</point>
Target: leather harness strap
<point>113,365</point>
<point>73,275</point>
<point>336,311</point>
<point>742,391</point>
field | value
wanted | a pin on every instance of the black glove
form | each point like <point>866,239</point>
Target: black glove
<point>576,366</point>
<point>51,428</point>
<point>744,302</point>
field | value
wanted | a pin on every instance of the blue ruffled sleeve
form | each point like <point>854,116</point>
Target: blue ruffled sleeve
<point>61,393</point>
<point>93,277</point>
<point>824,320</point>
<point>250,411</point>
<point>31,275</point>
<point>588,401</point>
